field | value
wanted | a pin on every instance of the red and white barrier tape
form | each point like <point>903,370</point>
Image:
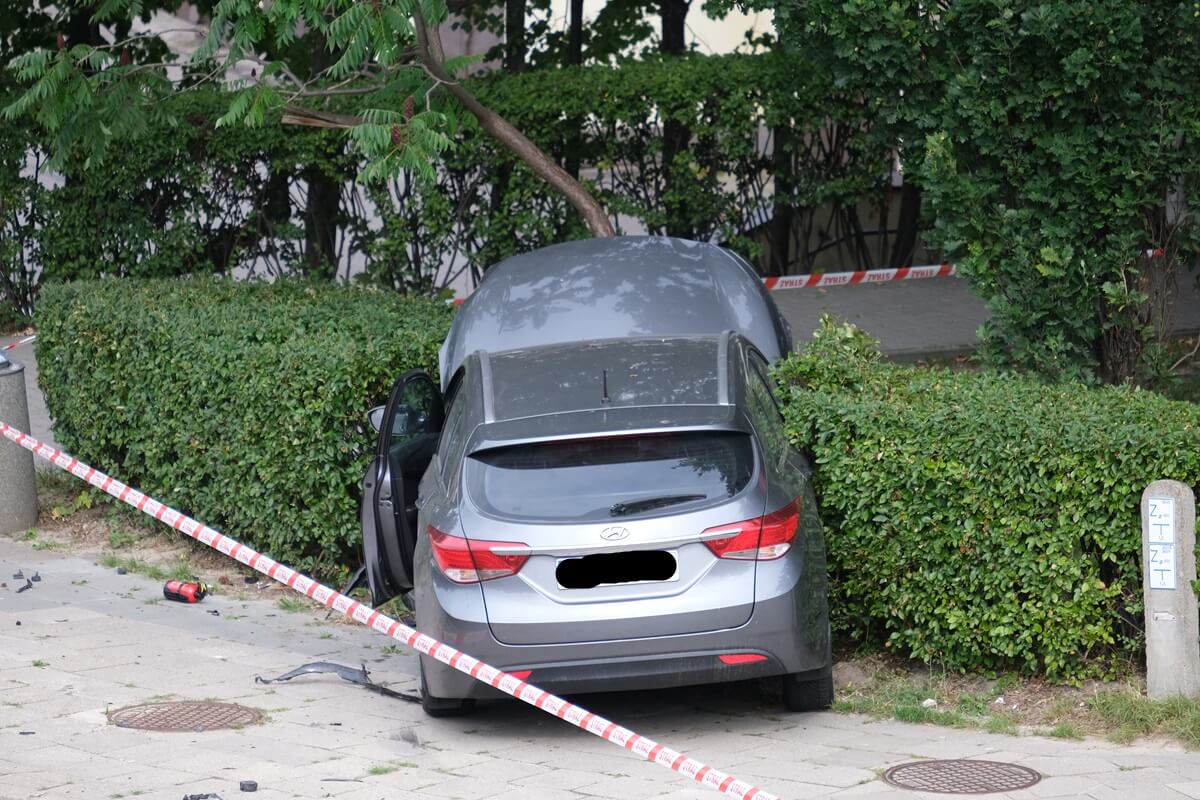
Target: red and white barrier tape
<point>18,343</point>
<point>816,281</point>
<point>510,684</point>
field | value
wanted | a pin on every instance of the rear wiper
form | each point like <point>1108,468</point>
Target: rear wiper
<point>621,509</point>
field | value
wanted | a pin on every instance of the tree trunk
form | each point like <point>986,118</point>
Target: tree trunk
<point>432,56</point>
<point>514,36</point>
<point>674,26</point>
<point>907,226</point>
<point>575,37</point>
<point>780,234</point>
<point>320,224</point>
<point>676,135</point>
<point>572,157</point>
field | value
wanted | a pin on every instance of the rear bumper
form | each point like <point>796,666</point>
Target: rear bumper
<point>791,631</point>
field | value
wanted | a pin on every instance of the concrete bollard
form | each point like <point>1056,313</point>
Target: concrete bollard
<point>18,488</point>
<point>1168,569</point>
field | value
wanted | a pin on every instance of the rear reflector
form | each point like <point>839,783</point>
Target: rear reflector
<point>521,674</point>
<point>733,659</point>
<point>761,539</point>
<point>471,561</point>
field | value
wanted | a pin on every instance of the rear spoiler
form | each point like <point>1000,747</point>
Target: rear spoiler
<point>607,423</point>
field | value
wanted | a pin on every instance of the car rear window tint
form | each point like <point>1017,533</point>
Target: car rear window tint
<point>583,479</point>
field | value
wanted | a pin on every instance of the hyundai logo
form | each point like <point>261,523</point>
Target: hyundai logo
<point>614,534</point>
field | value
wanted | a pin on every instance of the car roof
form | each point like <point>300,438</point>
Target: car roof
<point>624,286</point>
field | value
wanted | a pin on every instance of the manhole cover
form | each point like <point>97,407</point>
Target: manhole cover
<point>961,776</point>
<point>184,716</point>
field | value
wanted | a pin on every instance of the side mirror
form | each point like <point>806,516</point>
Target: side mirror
<point>375,415</point>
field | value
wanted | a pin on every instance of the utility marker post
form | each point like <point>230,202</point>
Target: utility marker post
<point>18,488</point>
<point>1168,569</point>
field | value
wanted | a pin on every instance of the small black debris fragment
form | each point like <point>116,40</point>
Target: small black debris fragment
<point>205,796</point>
<point>214,612</point>
<point>18,575</point>
<point>27,585</point>
<point>3,585</point>
<point>248,786</point>
<point>122,571</point>
<point>36,578</point>
<point>18,623</point>
<point>251,579</point>
<point>25,733</point>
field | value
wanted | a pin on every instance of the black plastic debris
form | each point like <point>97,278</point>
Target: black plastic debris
<point>248,786</point>
<point>214,612</point>
<point>251,579</point>
<point>25,733</point>
<point>205,796</point>
<point>122,571</point>
<point>18,575</point>
<point>359,676</point>
<point>27,585</point>
<point>36,578</point>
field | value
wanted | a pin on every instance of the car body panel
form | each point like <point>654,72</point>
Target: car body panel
<point>654,633</point>
<point>622,286</point>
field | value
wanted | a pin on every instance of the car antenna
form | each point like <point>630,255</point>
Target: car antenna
<point>605,400</point>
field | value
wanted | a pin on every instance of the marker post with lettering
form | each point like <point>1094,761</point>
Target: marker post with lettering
<point>1169,567</point>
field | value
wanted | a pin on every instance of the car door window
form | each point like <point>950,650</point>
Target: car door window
<point>768,420</point>
<point>450,446</point>
<point>415,413</point>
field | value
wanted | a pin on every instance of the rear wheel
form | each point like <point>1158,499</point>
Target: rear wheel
<point>442,706</point>
<point>808,693</point>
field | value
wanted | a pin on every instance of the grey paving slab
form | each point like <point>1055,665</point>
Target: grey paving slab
<point>324,737</point>
<point>922,318</point>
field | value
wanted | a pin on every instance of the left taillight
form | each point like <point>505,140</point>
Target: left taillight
<point>764,538</point>
<point>471,561</point>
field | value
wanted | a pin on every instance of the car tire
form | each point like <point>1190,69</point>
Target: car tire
<point>808,693</point>
<point>443,706</point>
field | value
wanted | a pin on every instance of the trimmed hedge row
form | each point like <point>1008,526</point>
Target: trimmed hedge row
<point>243,404</point>
<point>979,520</point>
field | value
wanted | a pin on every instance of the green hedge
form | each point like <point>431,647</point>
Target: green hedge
<point>243,404</point>
<point>983,521</point>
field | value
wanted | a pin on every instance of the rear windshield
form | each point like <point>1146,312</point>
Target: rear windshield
<point>611,478</point>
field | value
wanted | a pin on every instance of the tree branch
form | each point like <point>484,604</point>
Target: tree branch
<point>429,48</point>
<point>294,115</point>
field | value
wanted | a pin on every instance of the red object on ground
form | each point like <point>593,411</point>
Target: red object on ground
<point>185,591</point>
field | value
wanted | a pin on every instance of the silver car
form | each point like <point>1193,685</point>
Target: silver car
<point>603,507</point>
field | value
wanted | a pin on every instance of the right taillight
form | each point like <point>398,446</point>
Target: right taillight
<point>763,538</point>
<point>471,561</point>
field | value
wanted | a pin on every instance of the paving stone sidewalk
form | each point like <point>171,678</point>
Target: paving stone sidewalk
<point>85,640</point>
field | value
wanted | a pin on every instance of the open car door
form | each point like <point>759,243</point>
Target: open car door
<point>408,427</point>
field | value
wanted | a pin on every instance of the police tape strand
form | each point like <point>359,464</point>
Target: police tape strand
<point>18,343</point>
<point>510,684</point>
<point>818,280</point>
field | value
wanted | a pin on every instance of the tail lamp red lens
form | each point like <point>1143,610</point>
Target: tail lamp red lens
<point>764,538</point>
<point>471,561</point>
<point>737,659</point>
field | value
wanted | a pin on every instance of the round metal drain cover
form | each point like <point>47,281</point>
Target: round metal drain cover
<point>184,716</point>
<point>961,776</point>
